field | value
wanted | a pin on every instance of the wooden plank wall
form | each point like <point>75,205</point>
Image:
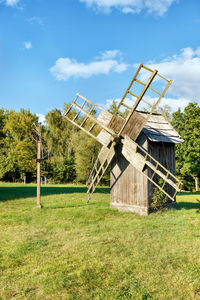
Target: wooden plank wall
<point>129,188</point>
<point>165,154</point>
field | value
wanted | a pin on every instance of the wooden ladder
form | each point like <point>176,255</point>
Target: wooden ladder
<point>139,157</point>
<point>139,98</point>
<point>102,162</point>
<point>88,115</point>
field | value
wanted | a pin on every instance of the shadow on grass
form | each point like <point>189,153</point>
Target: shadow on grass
<point>188,205</point>
<point>189,193</point>
<point>85,204</point>
<point>12,193</point>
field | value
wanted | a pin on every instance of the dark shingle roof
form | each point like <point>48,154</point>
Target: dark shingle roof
<point>157,129</point>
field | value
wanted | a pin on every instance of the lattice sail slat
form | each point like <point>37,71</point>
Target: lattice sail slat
<point>141,159</point>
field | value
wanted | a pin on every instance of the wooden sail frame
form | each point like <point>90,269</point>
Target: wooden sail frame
<point>134,153</point>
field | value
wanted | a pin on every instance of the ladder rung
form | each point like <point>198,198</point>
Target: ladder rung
<point>147,68</point>
<point>173,184</point>
<point>155,170</point>
<point>162,176</point>
<point>76,116</point>
<point>149,86</point>
<point>126,105</point>
<point>147,102</point>
<point>133,94</point>
<point>100,172</point>
<point>68,110</point>
<point>84,121</point>
<point>164,184</point>
<point>91,108</point>
<point>76,98</point>
<point>163,77</point>
<point>155,91</point>
<point>92,127</point>
<point>140,82</point>
<point>79,111</point>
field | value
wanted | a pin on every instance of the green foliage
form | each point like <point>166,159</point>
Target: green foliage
<point>187,124</point>
<point>17,144</point>
<point>21,125</point>
<point>158,198</point>
<point>165,111</point>
<point>63,172</point>
<point>69,153</point>
<point>113,108</point>
<point>86,150</point>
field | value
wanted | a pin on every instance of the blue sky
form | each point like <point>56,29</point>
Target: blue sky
<point>50,50</point>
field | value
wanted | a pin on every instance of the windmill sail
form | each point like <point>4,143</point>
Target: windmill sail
<point>150,104</point>
<point>141,159</point>
<point>82,115</point>
<point>103,161</point>
<point>110,129</point>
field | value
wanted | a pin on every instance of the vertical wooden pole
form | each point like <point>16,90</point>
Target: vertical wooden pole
<point>38,173</point>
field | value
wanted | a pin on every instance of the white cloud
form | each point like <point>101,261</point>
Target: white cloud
<point>106,63</point>
<point>11,2</point>
<point>184,70</point>
<point>41,118</point>
<point>27,45</point>
<point>157,7</point>
<point>36,20</point>
<point>110,54</point>
<point>173,103</point>
<point>129,10</point>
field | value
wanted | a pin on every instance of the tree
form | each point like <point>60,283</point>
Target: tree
<point>25,154</point>
<point>58,140</point>
<point>86,151</point>
<point>19,145</point>
<point>21,125</point>
<point>113,108</point>
<point>165,111</point>
<point>187,124</point>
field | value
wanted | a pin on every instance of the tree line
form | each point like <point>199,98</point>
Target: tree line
<point>69,153</point>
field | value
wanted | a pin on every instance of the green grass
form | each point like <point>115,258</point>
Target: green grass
<point>73,250</point>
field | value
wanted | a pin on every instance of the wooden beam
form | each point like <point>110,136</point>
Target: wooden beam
<point>89,101</point>
<point>138,100</point>
<point>38,173</point>
<point>93,119</point>
<point>130,85</point>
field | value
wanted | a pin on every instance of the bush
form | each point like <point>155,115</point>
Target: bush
<point>158,198</point>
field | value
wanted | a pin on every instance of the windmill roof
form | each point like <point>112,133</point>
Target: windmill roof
<point>158,129</point>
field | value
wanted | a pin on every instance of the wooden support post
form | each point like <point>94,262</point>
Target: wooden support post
<point>38,173</point>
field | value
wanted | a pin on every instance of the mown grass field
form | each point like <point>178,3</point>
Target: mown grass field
<point>73,250</point>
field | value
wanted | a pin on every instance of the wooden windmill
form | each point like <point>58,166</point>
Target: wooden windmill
<point>132,165</point>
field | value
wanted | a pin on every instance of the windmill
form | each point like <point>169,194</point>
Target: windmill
<point>120,136</point>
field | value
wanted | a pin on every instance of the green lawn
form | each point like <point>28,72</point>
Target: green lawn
<point>73,250</point>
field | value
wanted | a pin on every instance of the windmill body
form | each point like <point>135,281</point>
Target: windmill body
<point>130,189</point>
<point>131,145</point>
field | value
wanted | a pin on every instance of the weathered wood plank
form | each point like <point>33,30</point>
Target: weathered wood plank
<point>116,123</point>
<point>127,184</point>
<point>134,126</point>
<point>104,117</point>
<point>104,137</point>
<point>129,151</point>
